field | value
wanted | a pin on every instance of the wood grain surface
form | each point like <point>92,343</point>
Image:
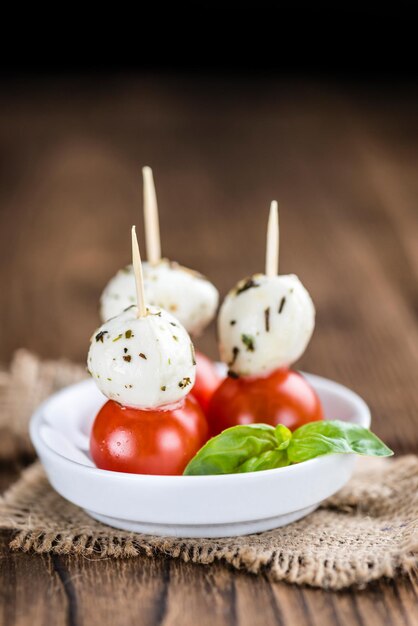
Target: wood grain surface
<point>342,162</point>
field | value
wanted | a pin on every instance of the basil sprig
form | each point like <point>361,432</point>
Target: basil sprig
<point>260,447</point>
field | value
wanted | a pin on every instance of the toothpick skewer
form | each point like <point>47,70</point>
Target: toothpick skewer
<point>152,228</point>
<point>272,250</point>
<point>139,280</point>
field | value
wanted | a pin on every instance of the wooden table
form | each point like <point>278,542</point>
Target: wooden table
<point>342,162</point>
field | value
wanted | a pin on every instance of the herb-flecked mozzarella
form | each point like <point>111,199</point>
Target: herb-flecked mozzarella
<point>144,362</point>
<point>190,297</point>
<point>265,323</point>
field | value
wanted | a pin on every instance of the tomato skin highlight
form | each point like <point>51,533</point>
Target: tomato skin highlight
<point>159,442</point>
<point>282,397</point>
<point>207,380</point>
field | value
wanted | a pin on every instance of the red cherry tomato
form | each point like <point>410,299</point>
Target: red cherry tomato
<point>130,440</point>
<point>207,380</point>
<point>283,397</point>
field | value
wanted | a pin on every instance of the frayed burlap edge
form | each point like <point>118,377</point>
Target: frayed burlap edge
<point>366,531</point>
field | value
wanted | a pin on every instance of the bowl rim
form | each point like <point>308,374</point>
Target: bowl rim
<point>36,421</point>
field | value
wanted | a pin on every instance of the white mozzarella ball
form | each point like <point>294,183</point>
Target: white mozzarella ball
<point>144,362</point>
<point>265,323</point>
<point>190,297</point>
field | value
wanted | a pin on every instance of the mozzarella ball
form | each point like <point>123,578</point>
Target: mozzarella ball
<point>144,362</point>
<point>190,297</point>
<point>265,323</point>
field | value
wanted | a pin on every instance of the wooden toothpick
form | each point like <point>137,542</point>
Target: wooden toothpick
<point>139,280</point>
<point>272,249</point>
<point>152,228</point>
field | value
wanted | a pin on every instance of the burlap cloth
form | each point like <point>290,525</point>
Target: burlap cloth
<point>367,530</point>
<point>27,383</point>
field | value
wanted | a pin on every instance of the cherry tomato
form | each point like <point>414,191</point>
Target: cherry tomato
<point>130,440</point>
<point>207,380</point>
<point>283,397</point>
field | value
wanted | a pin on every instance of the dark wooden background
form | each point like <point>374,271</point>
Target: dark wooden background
<point>342,162</point>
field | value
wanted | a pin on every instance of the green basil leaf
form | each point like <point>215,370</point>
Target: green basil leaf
<point>330,437</point>
<point>283,436</point>
<point>265,461</point>
<point>231,449</point>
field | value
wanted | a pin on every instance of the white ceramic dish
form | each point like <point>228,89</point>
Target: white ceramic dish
<point>185,506</point>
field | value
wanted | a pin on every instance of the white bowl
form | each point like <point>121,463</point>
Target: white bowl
<point>186,506</point>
